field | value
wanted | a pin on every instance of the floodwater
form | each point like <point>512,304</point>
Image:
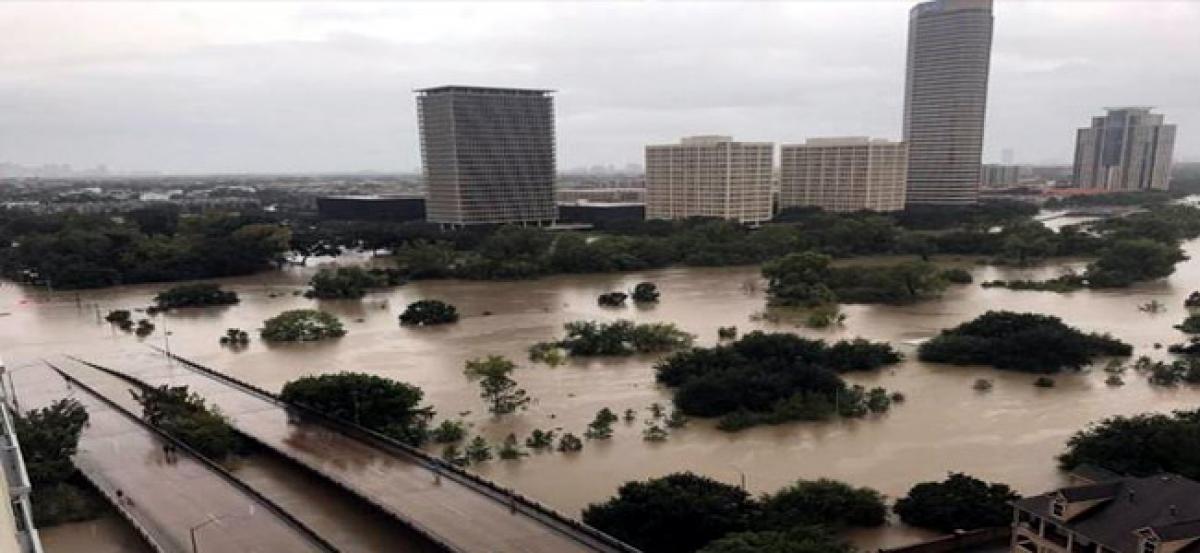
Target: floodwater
<point>1009,434</point>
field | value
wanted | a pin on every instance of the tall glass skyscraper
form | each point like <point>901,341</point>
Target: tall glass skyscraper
<point>945,96</point>
<point>487,154</point>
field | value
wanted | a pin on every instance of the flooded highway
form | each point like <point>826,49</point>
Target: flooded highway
<point>1010,434</point>
<point>172,501</point>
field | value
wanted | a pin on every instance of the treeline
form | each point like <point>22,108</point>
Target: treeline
<point>808,280</point>
<point>72,251</point>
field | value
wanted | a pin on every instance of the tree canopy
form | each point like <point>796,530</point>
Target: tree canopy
<point>201,294</point>
<point>771,378</point>
<point>350,282</point>
<point>429,312</point>
<point>72,251</point>
<point>186,416</point>
<point>386,406</point>
<point>1139,445</point>
<point>960,502</point>
<point>684,512</point>
<point>677,513</point>
<point>1025,342</point>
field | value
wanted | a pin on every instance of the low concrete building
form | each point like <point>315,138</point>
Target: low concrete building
<point>397,209</point>
<point>599,214</point>
<point>1102,513</point>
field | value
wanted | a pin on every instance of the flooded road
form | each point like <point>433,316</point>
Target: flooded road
<point>1010,434</point>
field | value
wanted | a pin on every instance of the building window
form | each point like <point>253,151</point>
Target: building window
<point>1059,508</point>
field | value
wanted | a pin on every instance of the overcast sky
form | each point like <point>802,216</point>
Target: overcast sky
<point>224,87</point>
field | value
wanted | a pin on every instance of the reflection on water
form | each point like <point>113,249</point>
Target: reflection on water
<point>1010,434</point>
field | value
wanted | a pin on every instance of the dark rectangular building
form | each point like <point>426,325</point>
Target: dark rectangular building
<point>372,208</point>
<point>488,155</point>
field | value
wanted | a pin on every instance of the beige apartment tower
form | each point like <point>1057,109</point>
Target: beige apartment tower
<point>945,98</point>
<point>1129,148</point>
<point>843,174</point>
<point>710,176</point>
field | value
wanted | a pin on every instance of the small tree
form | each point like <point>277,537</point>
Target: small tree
<point>187,417</point>
<point>960,502</point>
<point>569,443</point>
<point>449,431</point>
<point>878,400</point>
<point>601,427</point>
<point>429,312</point>
<point>511,449</point>
<point>540,439</point>
<point>496,388</point>
<point>478,450</point>
<point>654,433</point>
<point>612,299</point>
<point>645,292</point>
<point>49,438</point>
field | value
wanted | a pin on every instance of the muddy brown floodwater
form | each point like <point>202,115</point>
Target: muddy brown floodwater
<point>1010,434</point>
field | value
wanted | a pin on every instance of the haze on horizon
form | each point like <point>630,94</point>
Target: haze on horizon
<point>313,87</point>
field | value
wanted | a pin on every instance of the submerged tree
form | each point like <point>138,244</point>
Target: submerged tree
<point>496,387</point>
<point>429,312</point>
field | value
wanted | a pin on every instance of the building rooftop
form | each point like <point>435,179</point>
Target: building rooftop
<point>483,90</point>
<point>370,197</point>
<point>1166,504</point>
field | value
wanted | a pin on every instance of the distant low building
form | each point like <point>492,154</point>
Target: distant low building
<point>1104,513</point>
<point>623,194</point>
<point>599,214</point>
<point>395,209</point>
<point>1000,176</point>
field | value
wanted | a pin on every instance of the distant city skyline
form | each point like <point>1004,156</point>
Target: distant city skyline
<point>290,88</point>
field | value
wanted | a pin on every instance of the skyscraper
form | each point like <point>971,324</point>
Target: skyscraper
<point>945,96</point>
<point>843,174</point>
<point>1127,149</point>
<point>488,154</point>
<point>710,176</point>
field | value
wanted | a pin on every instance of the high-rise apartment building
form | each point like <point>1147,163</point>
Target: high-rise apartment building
<point>488,155</point>
<point>945,96</point>
<point>843,174</point>
<point>710,176</point>
<point>1127,149</point>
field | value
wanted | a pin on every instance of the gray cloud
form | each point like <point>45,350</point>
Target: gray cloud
<point>313,87</point>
